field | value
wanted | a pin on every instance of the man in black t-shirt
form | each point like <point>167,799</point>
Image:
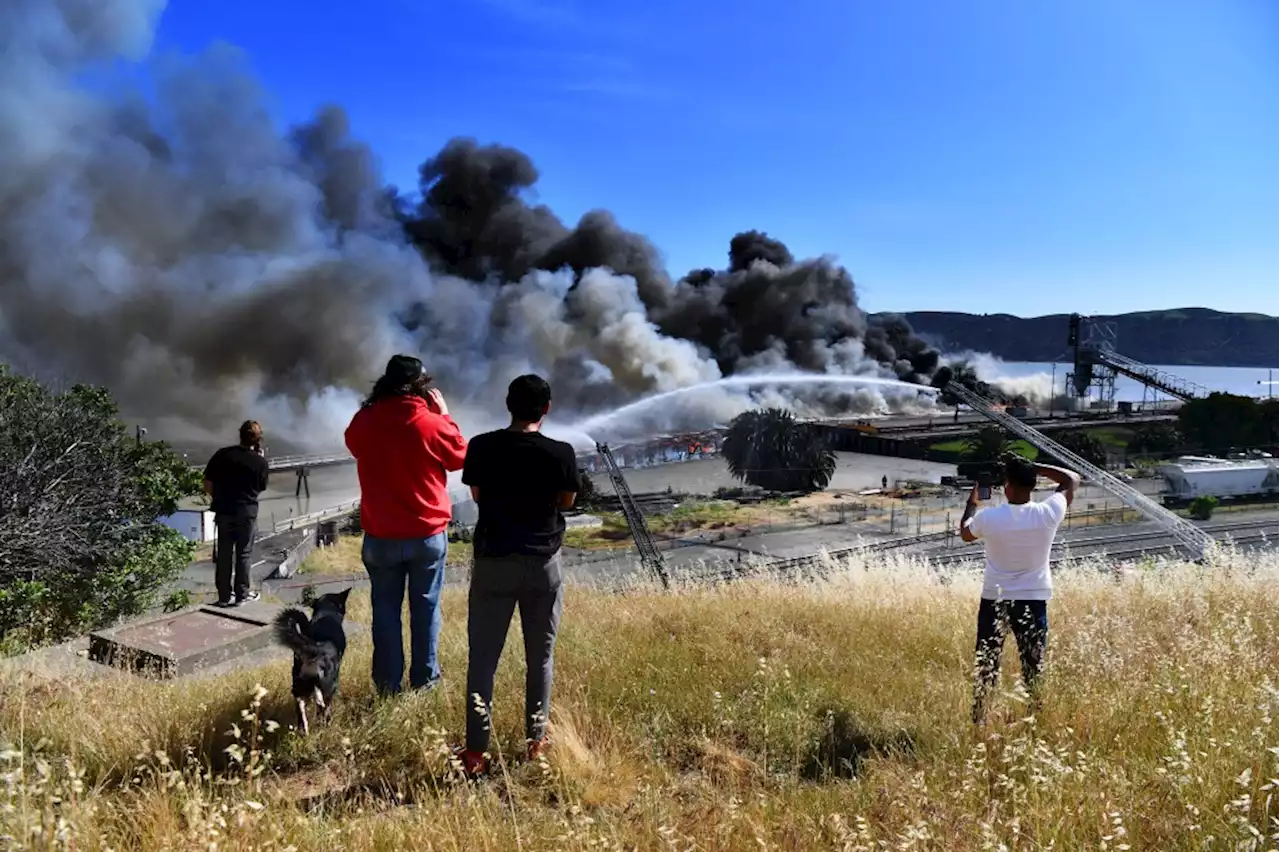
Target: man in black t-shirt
<point>521,481</point>
<point>234,478</point>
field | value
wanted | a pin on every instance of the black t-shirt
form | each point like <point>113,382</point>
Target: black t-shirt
<point>519,475</point>
<point>238,475</point>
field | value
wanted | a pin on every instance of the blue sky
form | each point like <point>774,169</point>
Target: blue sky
<point>996,156</point>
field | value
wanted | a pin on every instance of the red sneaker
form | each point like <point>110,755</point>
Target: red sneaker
<point>474,763</point>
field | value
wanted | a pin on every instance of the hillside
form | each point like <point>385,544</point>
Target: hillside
<point>1186,336</point>
<point>823,716</point>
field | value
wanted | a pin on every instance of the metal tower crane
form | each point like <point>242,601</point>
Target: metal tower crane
<point>1187,534</point>
<point>650,557</point>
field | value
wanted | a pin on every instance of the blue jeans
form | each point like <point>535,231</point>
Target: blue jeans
<point>392,564</point>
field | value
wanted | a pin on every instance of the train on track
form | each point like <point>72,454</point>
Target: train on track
<point>1245,479</point>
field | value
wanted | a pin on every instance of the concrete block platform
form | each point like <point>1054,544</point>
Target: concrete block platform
<point>181,643</point>
<point>275,556</point>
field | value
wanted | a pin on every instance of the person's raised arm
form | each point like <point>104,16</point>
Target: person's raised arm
<point>1068,480</point>
<point>443,436</point>
<point>967,533</point>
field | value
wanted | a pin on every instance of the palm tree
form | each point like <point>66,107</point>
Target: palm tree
<point>988,445</point>
<point>769,449</point>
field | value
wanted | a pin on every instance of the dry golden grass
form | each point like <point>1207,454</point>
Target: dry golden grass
<point>342,558</point>
<point>829,715</point>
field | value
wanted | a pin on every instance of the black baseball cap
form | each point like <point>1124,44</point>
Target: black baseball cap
<point>404,369</point>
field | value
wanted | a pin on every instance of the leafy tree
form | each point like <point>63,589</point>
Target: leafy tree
<point>80,542</point>
<point>769,449</point>
<point>988,445</point>
<point>1083,444</point>
<point>1154,439</point>
<point>1268,426</point>
<point>1223,421</point>
<point>588,495</point>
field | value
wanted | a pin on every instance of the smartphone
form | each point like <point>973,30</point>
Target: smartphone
<point>984,486</point>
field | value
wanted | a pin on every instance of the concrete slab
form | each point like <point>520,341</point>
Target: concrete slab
<point>180,643</point>
<point>276,555</point>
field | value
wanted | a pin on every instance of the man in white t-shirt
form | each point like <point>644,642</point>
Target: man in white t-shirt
<point>1016,584</point>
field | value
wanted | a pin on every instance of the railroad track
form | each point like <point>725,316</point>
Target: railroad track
<point>1240,532</point>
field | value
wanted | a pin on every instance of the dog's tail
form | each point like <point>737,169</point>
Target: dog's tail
<point>290,626</point>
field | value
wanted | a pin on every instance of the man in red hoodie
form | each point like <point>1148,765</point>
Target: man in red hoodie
<point>405,443</point>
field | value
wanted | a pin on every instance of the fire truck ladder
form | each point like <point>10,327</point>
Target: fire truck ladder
<point>650,557</point>
<point>1187,534</point>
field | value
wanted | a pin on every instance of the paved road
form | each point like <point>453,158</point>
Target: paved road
<point>854,472</point>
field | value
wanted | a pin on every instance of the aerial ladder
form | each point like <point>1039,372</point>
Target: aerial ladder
<point>1196,540</point>
<point>650,557</point>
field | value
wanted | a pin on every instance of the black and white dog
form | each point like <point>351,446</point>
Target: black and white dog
<point>318,644</point>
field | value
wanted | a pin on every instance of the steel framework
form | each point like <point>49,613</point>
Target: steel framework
<point>650,557</point>
<point>1097,363</point>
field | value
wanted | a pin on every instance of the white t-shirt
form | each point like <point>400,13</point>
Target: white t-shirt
<point>1018,540</point>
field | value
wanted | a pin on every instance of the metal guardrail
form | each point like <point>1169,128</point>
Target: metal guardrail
<point>308,460</point>
<point>301,460</point>
<point>315,517</point>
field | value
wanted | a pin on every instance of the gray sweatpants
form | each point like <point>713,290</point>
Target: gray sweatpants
<point>499,584</point>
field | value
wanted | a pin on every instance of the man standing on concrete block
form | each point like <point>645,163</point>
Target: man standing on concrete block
<point>521,481</point>
<point>405,444</point>
<point>234,478</point>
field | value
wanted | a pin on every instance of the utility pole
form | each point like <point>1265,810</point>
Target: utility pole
<point>138,433</point>
<point>1053,388</point>
<point>1271,385</point>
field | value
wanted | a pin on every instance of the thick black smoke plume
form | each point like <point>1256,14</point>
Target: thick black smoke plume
<point>765,310</point>
<point>205,267</point>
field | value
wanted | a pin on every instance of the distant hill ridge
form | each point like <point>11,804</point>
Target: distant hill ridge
<point>1182,336</point>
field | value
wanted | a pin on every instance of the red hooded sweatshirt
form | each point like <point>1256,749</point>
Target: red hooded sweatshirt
<point>403,450</point>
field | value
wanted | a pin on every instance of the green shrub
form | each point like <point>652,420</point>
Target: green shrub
<point>1202,508</point>
<point>81,544</point>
